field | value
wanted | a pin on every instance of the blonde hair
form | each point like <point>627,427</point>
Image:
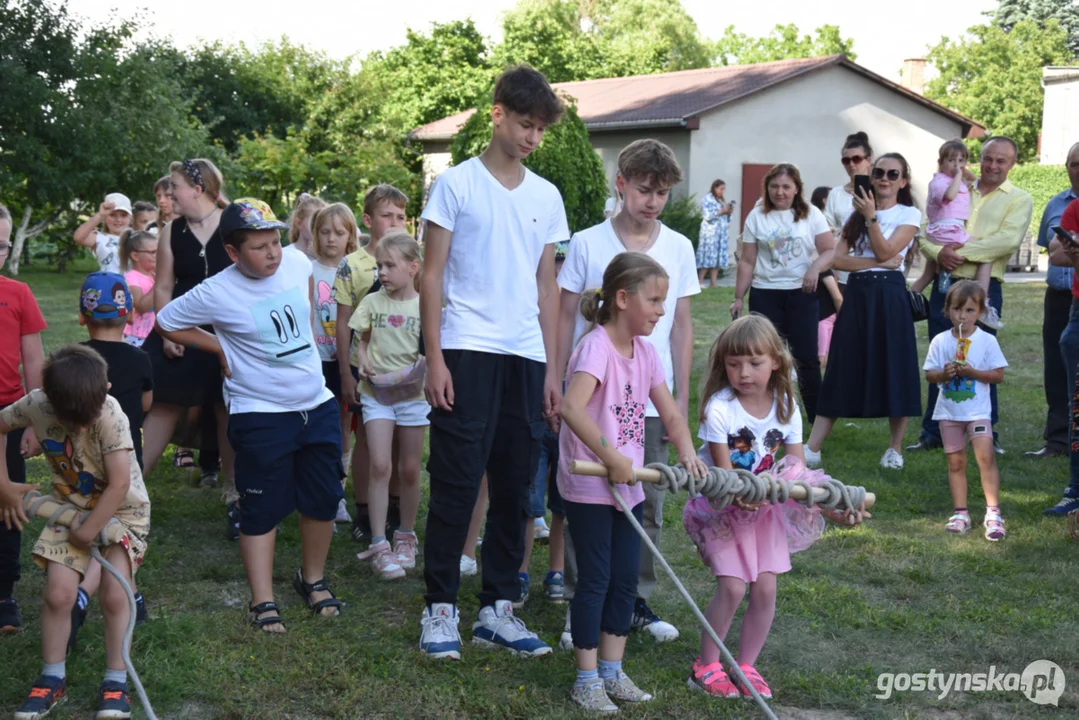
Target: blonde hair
<point>627,271</point>
<point>751,334</point>
<point>213,182</point>
<point>962,291</point>
<point>304,204</point>
<point>326,215</point>
<point>130,241</point>
<point>407,246</point>
<point>383,192</point>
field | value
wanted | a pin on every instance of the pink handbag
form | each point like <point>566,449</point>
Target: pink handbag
<point>399,385</point>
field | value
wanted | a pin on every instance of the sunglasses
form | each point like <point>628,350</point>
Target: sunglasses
<point>881,173</point>
<point>852,160</point>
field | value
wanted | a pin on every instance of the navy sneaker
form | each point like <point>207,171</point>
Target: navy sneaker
<point>525,584</point>
<point>46,693</point>
<point>10,617</point>
<point>232,516</point>
<point>113,701</point>
<point>361,528</point>
<point>555,586</point>
<point>1069,502</point>
<point>78,617</point>
<point>141,613</point>
<point>497,627</point>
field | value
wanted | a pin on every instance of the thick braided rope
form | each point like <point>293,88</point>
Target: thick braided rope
<point>721,487</point>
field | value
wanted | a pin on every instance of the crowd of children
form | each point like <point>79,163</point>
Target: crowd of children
<point>516,372</point>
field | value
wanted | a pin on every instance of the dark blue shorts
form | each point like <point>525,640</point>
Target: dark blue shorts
<point>284,462</point>
<point>332,374</point>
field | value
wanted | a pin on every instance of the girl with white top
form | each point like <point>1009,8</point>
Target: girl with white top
<point>873,367</point>
<point>115,214</point>
<point>300,234</point>
<point>779,240</point>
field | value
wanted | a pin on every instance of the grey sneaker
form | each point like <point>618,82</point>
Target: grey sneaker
<point>991,319</point>
<point>593,697</point>
<point>624,689</point>
<point>208,479</point>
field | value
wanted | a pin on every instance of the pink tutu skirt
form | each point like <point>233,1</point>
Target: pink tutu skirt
<point>742,544</point>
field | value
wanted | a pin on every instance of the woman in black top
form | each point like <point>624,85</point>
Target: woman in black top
<point>190,250</point>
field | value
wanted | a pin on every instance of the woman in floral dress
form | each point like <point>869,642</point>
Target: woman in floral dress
<point>712,243</point>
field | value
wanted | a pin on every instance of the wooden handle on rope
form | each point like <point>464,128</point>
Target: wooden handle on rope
<point>114,531</point>
<point>595,469</point>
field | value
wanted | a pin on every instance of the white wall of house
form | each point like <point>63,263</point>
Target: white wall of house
<point>436,158</point>
<point>1060,116</point>
<point>804,121</point>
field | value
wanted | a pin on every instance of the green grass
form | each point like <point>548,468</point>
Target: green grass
<point>896,595</point>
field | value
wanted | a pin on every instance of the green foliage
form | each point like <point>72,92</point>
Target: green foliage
<point>994,77</point>
<point>684,215</point>
<point>783,43</point>
<point>548,35</point>
<point>640,37</point>
<point>565,158</point>
<point>1042,182</point>
<point>1066,12</point>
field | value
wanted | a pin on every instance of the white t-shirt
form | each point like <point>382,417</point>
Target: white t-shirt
<point>107,252</point>
<point>785,248</point>
<point>752,442</point>
<point>489,285</point>
<point>325,309</point>
<point>837,208</point>
<point>890,220</point>
<point>264,327</point>
<point>962,398</point>
<point>591,251</point>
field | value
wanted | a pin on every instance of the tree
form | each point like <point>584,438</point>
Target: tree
<point>783,43</point>
<point>668,41</point>
<point>565,157</point>
<point>995,76</point>
<point>550,36</point>
<point>1066,12</point>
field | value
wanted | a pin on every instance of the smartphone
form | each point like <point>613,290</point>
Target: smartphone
<point>863,183</point>
<point>1065,236</point>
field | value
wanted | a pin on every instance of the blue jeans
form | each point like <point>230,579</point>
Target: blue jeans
<point>939,323</point>
<point>546,480</point>
<point>1069,350</point>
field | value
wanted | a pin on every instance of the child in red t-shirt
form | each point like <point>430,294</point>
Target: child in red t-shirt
<point>21,324</point>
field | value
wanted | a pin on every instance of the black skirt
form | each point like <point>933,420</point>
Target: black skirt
<point>873,369</point>
<point>192,380</point>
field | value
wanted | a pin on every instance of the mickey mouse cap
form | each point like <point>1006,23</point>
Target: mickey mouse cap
<point>248,214</point>
<point>104,296</point>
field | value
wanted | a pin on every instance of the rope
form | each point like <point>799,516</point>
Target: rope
<point>33,501</point>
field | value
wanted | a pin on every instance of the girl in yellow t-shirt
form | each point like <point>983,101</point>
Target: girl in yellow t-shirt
<point>391,395</point>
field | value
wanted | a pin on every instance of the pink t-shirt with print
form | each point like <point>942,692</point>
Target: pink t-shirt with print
<point>617,407</point>
<point>141,323</point>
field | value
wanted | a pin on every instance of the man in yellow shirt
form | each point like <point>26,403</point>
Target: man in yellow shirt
<point>999,219</point>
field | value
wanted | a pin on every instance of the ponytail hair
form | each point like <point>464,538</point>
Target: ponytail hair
<point>627,271</point>
<point>408,248</point>
<point>203,173</point>
<point>306,204</point>
<point>131,241</point>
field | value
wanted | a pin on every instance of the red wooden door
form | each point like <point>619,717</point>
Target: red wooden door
<point>752,184</point>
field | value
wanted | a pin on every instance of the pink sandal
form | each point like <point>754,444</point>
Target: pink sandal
<point>994,527</point>
<point>958,523</point>
<point>757,682</point>
<point>712,679</point>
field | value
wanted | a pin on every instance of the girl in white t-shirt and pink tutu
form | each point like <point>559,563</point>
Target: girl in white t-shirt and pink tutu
<point>748,414</point>
<point>613,374</point>
<point>138,262</point>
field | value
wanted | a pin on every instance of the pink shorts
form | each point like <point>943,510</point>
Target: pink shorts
<point>824,333</point>
<point>954,433</point>
<point>946,233</point>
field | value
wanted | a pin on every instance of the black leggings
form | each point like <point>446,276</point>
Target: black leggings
<point>11,540</point>
<point>795,315</point>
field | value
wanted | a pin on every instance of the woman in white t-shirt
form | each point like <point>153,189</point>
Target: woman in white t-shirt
<point>779,241</point>
<point>857,159</point>
<point>873,366</point>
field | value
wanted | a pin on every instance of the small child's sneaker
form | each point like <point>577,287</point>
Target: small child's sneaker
<point>526,583</point>
<point>468,566</point>
<point>498,627</point>
<point>593,698</point>
<point>645,619</point>
<point>208,479</point>
<point>439,637</point>
<point>620,687</point>
<point>342,513</point>
<point>540,532</point>
<point>383,562</point>
<point>113,701</point>
<point>46,694</point>
<point>756,681</point>
<point>712,679</point>
<point>406,547</point>
<point>555,587</point>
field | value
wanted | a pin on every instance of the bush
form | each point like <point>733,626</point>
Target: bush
<point>684,215</point>
<point>1042,182</point>
<point>565,158</point>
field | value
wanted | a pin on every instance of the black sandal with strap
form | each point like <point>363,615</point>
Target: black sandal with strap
<point>316,606</point>
<point>253,612</point>
<point>184,459</point>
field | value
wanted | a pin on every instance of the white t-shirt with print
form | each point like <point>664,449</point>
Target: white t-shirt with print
<point>890,220</point>
<point>752,442</point>
<point>325,309</point>
<point>785,247</point>
<point>964,399</point>
<point>107,252</point>
<point>591,251</point>
<point>489,285</point>
<point>264,327</point>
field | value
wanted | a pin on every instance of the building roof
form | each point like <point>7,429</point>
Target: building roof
<point>679,99</point>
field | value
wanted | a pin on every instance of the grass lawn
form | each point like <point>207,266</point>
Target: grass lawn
<point>897,595</point>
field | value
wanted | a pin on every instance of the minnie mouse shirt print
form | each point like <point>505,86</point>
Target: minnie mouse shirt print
<point>617,407</point>
<point>751,441</point>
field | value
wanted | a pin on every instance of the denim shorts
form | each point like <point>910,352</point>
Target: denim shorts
<point>546,480</point>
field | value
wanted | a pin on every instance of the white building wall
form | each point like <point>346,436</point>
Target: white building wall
<point>804,121</point>
<point>1060,115</point>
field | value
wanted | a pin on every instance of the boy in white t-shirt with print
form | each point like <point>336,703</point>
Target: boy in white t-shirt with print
<point>115,213</point>
<point>283,421</point>
<point>647,169</point>
<point>491,229</point>
<point>965,363</point>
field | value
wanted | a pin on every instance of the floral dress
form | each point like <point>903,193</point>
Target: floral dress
<point>712,244</point>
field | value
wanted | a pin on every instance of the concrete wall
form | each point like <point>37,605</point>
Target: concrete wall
<point>804,121</point>
<point>609,144</point>
<point>1060,116</point>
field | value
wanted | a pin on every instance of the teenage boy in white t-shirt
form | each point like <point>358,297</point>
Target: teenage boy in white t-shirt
<point>491,229</point>
<point>647,169</point>
<point>283,421</point>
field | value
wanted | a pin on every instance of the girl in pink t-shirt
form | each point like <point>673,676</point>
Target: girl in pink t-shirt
<point>138,262</point>
<point>613,373</point>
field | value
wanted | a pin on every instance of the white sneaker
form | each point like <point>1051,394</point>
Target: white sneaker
<point>342,513</point>
<point>891,460</point>
<point>812,458</point>
<point>566,641</point>
<point>468,566</point>
<point>498,627</point>
<point>646,620</point>
<point>439,637</point>
<point>991,319</point>
<point>540,531</point>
